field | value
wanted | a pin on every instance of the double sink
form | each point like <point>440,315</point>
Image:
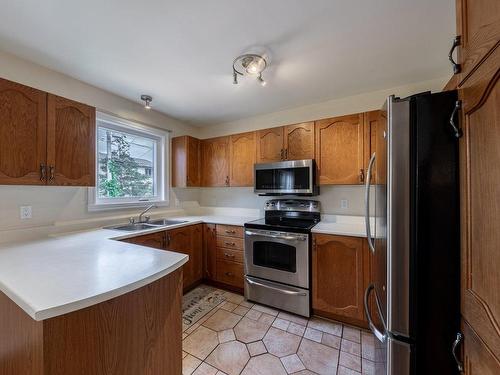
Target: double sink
<point>131,227</point>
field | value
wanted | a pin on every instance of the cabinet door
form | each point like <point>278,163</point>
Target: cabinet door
<point>340,155</point>
<point>480,204</point>
<point>478,359</point>
<point>70,142</point>
<point>270,145</point>
<point>338,274</point>
<point>155,240</point>
<point>242,159</point>
<point>375,142</point>
<point>215,162</point>
<point>209,251</point>
<point>299,141</point>
<point>23,134</point>
<point>185,161</point>
<point>478,24</point>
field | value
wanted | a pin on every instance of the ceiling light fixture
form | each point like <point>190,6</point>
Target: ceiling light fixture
<point>147,99</point>
<point>249,65</point>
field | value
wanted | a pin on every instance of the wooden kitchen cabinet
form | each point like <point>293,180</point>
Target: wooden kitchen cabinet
<point>188,240</point>
<point>290,142</point>
<point>185,162</point>
<point>241,159</point>
<point>70,142</point>
<point>340,273</point>
<point>154,240</point>
<point>209,251</point>
<point>23,134</point>
<point>215,162</point>
<point>270,145</point>
<point>478,25</point>
<point>340,150</point>
<point>478,358</point>
<point>299,141</point>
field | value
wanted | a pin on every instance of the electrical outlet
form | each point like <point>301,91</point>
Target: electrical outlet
<point>25,212</point>
<point>344,203</point>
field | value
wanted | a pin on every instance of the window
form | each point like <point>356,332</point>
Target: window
<point>131,164</point>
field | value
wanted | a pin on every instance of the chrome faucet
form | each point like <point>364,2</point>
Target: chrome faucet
<point>142,214</point>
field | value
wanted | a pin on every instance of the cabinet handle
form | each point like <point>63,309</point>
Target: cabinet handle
<point>51,172</point>
<point>228,274</point>
<point>456,343</point>
<point>228,255</point>
<point>43,172</point>
<point>227,180</point>
<point>230,243</point>
<point>230,231</point>
<point>361,175</point>
<point>168,240</point>
<point>456,129</point>
<point>286,154</point>
<point>456,66</point>
<point>281,154</point>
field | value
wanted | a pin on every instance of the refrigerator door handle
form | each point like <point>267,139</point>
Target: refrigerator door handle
<point>382,337</point>
<point>367,204</point>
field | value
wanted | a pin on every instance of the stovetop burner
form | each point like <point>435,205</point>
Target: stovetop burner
<point>297,215</point>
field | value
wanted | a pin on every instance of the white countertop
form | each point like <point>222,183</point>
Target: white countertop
<point>64,273</point>
<point>57,275</point>
<point>341,225</point>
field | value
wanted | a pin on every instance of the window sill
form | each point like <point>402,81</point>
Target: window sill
<point>93,207</point>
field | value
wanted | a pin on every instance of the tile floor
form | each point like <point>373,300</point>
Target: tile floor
<point>238,337</point>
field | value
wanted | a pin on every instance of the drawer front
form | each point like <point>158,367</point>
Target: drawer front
<point>230,242</point>
<point>229,230</point>
<point>230,273</point>
<point>228,254</point>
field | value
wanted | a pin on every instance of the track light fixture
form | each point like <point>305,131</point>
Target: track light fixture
<point>249,65</point>
<point>147,99</point>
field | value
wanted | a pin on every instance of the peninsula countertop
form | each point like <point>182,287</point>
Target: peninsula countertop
<point>61,274</point>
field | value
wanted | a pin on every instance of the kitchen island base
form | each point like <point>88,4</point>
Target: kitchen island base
<point>138,333</point>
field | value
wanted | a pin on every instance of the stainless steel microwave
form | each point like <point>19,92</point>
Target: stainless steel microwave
<point>295,177</point>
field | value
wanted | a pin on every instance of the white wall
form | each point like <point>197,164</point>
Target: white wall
<point>53,204</point>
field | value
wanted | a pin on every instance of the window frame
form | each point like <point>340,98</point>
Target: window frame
<point>161,169</point>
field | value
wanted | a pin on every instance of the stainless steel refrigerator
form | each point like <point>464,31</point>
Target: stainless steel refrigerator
<point>412,201</point>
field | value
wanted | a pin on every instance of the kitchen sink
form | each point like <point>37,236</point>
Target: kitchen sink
<point>131,227</point>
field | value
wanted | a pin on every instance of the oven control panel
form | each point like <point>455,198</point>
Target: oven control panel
<point>305,205</point>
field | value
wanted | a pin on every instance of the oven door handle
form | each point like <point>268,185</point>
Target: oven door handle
<point>277,236</point>
<point>289,292</point>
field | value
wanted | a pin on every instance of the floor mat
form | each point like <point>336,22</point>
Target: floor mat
<point>197,303</point>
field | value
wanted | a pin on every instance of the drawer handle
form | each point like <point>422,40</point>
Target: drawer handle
<point>228,274</point>
<point>229,243</point>
<point>230,231</point>
<point>228,255</point>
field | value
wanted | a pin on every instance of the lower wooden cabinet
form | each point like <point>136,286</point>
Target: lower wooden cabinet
<point>477,358</point>
<point>188,240</point>
<point>340,273</point>
<point>154,240</point>
<point>230,273</point>
<point>209,251</point>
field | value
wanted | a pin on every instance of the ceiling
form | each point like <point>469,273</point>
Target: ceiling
<point>181,52</point>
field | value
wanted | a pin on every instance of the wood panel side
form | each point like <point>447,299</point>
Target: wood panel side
<point>137,333</point>
<point>179,161</point>
<point>21,341</point>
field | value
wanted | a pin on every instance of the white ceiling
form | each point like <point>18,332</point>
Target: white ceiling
<point>181,52</point>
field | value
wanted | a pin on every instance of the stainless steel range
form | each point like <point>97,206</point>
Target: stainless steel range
<point>278,253</point>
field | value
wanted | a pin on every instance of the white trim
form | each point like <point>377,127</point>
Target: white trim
<point>161,176</point>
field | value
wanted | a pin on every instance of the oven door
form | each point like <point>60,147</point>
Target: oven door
<point>277,256</point>
<point>286,177</point>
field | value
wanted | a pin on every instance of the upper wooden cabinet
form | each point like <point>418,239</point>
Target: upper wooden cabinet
<point>23,134</point>
<point>340,152</point>
<point>375,139</point>
<point>70,142</point>
<point>299,141</point>
<point>291,142</point>
<point>347,260</point>
<point>185,162</point>
<point>241,159</point>
<point>270,145</point>
<point>478,359</point>
<point>478,24</point>
<point>45,139</point>
<point>215,161</point>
